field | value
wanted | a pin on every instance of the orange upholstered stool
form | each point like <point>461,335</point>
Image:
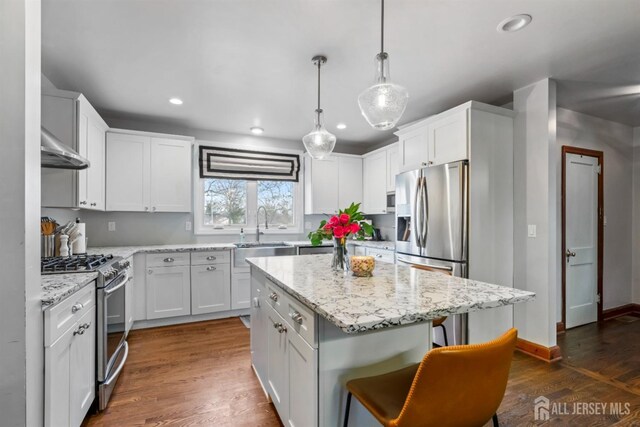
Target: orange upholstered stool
<point>453,386</point>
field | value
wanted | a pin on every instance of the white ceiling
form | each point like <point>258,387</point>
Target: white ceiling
<point>242,63</point>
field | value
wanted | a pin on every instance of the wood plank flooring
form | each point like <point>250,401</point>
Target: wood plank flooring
<point>200,375</point>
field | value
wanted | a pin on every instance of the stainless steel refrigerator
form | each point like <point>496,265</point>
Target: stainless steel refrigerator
<point>432,222</point>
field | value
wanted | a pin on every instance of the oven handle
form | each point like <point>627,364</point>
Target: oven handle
<point>113,376</point>
<point>124,282</point>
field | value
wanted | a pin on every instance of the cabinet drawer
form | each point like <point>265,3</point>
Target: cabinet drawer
<point>301,319</point>
<point>211,257</point>
<point>168,259</point>
<point>59,318</point>
<point>381,255</point>
<point>274,296</point>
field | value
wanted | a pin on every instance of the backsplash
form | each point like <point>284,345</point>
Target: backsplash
<point>141,228</point>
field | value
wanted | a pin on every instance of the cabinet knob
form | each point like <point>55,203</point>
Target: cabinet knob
<point>150,272</point>
<point>77,307</point>
<point>211,258</point>
<point>146,208</point>
<point>154,208</point>
<point>297,317</point>
<point>273,296</point>
<point>83,202</point>
<point>94,204</point>
<point>85,326</point>
<point>256,302</point>
<point>80,331</point>
<point>211,268</point>
<point>168,260</point>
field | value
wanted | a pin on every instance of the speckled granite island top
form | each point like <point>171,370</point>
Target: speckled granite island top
<point>395,295</point>
<point>56,287</point>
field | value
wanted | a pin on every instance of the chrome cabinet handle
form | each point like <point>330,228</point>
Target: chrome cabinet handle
<point>296,317</point>
<point>168,260</point>
<point>211,268</point>
<point>79,331</point>
<point>273,296</point>
<point>77,307</point>
<point>280,327</point>
<point>150,272</point>
<point>277,325</point>
<point>569,254</point>
<point>146,208</point>
<point>94,204</point>
<point>256,302</point>
<point>83,202</point>
<point>85,326</point>
<point>211,258</point>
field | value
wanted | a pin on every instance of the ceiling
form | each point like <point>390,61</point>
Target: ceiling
<point>243,63</point>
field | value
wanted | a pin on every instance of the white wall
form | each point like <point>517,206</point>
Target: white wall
<point>535,157</point>
<point>21,335</point>
<point>635,262</point>
<point>615,140</point>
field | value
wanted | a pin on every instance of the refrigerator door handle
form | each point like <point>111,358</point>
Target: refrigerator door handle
<point>425,216</point>
<point>416,211</point>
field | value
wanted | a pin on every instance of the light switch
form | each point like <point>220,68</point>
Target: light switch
<point>531,232</point>
<point>187,226</point>
<point>111,225</point>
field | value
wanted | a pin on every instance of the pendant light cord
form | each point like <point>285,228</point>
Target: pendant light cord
<point>382,28</point>
<point>318,110</point>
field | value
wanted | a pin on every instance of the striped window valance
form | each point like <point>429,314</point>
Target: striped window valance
<point>251,165</point>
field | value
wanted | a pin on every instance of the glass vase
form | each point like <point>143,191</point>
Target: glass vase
<point>340,260</point>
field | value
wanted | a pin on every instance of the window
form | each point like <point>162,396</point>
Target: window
<point>230,204</point>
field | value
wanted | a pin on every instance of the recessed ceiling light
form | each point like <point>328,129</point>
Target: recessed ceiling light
<point>256,130</point>
<point>176,101</point>
<point>514,23</point>
<point>341,126</point>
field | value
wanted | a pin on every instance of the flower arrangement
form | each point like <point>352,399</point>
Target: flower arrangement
<point>346,223</point>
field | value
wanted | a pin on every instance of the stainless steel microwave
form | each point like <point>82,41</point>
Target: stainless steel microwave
<point>391,201</point>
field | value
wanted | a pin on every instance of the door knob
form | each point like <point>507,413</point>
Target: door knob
<point>569,254</point>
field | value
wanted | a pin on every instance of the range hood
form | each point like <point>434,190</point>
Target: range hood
<point>55,154</point>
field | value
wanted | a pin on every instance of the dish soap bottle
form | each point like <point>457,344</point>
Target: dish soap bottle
<point>242,235</point>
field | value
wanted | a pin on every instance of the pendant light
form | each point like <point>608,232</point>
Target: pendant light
<point>383,103</point>
<point>319,142</point>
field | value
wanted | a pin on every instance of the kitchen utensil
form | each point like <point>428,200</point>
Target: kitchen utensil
<point>47,245</point>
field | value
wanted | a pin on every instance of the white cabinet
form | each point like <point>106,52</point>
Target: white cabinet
<point>332,184</point>
<point>210,288</point>
<point>168,291</point>
<point>277,362</point>
<point>70,361</point>
<point>302,367</point>
<point>259,322</point>
<point>148,172</point>
<point>240,290</point>
<point>375,183</point>
<point>129,298</point>
<point>381,255</point>
<point>393,167</point>
<point>436,140</point>
<point>72,119</point>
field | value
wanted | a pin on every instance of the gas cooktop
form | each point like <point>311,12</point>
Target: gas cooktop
<point>74,264</point>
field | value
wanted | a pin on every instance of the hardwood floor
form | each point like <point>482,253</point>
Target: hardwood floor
<point>200,374</point>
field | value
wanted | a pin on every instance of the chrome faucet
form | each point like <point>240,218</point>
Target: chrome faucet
<point>266,225</point>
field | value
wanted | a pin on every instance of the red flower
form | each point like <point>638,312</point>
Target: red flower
<point>355,227</point>
<point>338,232</point>
<point>333,221</point>
<point>344,219</point>
<point>327,226</point>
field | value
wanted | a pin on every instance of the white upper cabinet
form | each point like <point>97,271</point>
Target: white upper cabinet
<point>375,183</point>
<point>448,138</point>
<point>393,166</point>
<point>414,150</point>
<point>72,119</point>
<point>148,173</point>
<point>332,184</point>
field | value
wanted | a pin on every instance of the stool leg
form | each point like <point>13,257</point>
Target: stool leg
<point>495,420</point>
<point>346,412</point>
<point>444,333</point>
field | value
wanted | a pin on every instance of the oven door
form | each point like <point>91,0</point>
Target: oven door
<point>111,324</point>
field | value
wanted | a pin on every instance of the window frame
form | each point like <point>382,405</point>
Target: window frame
<point>252,200</point>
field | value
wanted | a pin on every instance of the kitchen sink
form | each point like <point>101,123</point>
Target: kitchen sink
<point>254,249</point>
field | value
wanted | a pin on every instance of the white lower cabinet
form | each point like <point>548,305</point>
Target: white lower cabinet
<point>168,291</point>
<point>241,290</point>
<point>70,369</point>
<point>210,288</point>
<point>277,363</point>
<point>302,361</point>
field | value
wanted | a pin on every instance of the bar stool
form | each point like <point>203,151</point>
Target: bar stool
<point>459,386</point>
<point>437,322</point>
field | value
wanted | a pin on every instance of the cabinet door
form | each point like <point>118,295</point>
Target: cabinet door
<point>82,360</point>
<point>241,291</point>
<point>414,151</point>
<point>448,139</point>
<point>168,292</point>
<point>375,183</point>
<point>323,186</point>
<point>129,301</point>
<point>210,288</point>
<point>260,333</point>
<point>277,363</point>
<point>393,167</point>
<point>170,189</point>
<point>56,381</point>
<point>127,172</point>
<point>350,176</point>
<point>91,145</point>
<point>302,362</point>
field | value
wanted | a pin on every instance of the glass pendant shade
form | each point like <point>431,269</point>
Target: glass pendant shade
<point>319,143</point>
<point>383,104</point>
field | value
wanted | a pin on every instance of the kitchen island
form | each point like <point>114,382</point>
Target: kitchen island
<point>312,329</point>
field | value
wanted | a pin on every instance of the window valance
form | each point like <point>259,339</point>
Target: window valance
<point>230,163</point>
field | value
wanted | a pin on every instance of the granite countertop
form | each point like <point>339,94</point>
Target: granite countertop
<point>395,295</point>
<point>127,251</point>
<point>56,287</point>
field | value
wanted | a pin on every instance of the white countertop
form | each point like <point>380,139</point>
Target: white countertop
<point>395,295</point>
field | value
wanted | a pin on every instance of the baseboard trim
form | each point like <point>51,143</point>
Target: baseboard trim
<point>547,354</point>
<point>623,310</point>
<point>560,328</point>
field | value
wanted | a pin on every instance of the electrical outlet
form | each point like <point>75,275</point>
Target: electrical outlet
<point>531,231</point>
<point>187,226</point>
<point>111,225</point>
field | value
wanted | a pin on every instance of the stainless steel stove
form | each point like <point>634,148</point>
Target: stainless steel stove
<point>111,301</point>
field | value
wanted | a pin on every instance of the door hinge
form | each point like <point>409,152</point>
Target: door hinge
<point>599,169</point>
<point>598,298</point>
